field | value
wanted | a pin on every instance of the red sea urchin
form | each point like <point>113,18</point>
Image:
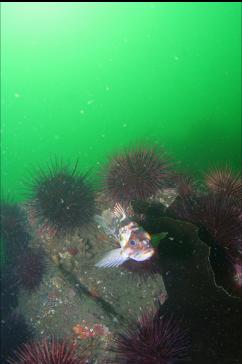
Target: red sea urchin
<point>47,352</point>
<point>136,174</point>
<point>153,339</point>
<point>224,181</point>
<point>62,198</point>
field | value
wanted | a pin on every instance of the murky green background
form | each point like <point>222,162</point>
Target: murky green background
<point>82,79</point>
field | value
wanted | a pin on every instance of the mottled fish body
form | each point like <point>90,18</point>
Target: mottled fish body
<point>135,242</point>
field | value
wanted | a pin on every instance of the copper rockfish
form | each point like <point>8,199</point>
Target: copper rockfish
<point>134,241</point>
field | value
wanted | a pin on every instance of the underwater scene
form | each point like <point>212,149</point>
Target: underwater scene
<point>121,190</point>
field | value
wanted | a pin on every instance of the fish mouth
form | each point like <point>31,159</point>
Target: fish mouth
<point>144,255</point>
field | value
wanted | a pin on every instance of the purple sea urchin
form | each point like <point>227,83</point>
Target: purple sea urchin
<point>30,269</point>
<point>62,198</point>
<point>135,175</point>
<point>13,229</point>
<point>47,352</point>
<point>224,181</point>
<point>184,185</point>
<point>153,339</point>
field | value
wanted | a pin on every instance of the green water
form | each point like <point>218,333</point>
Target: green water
<point>83,79</point>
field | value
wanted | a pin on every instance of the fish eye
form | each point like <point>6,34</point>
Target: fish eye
<point>132,242</point>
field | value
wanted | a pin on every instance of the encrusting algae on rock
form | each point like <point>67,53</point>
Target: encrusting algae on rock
<point>82,331</point>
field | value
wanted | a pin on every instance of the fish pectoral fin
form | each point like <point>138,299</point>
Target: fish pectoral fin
<point>155,241</point>
<point>163,235</point>
<point>114,258</point>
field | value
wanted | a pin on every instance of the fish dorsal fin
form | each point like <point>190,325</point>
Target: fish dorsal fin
<point>119,212</point>
<point>114,258</point>
<point>108,229</point>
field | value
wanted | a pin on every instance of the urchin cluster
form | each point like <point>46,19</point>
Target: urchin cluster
<point>62,198</point>
<point>136,174</point>
<point>153,339</point>
<point>47,352</point>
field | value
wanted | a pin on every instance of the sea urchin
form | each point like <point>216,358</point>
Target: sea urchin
<point>218,217</point>
<point>135,175</point>
<point>62,198</point>
<point>224,181</point>
<point>30,268</point>
<point>153,339</point>
<point>13,228</point>
<point>47,352</point>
